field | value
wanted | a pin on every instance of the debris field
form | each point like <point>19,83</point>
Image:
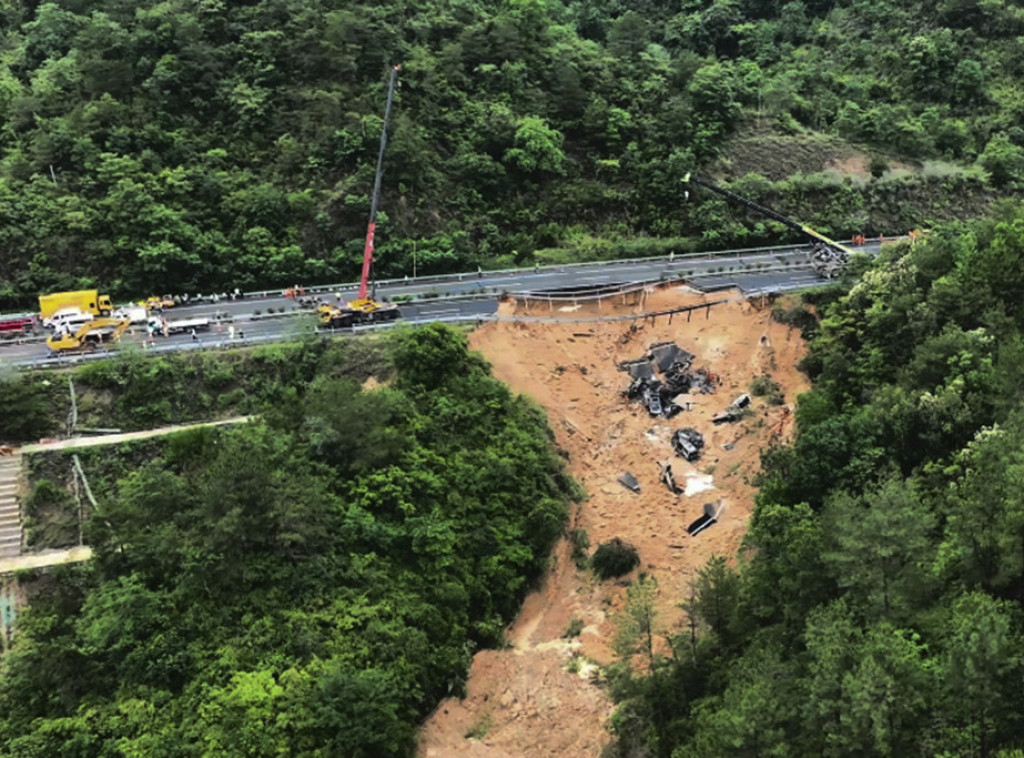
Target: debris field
<point>596,381</point>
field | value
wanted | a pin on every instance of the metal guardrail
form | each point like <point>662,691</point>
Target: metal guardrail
<point>669,258</point>
<point>464,276</point>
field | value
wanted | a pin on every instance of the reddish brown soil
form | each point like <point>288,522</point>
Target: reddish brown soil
<point>524,701</point>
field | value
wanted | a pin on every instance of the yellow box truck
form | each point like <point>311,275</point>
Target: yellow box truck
<point>87,301</point>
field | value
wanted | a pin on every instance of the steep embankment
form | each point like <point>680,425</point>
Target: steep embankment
<point>537,697</point>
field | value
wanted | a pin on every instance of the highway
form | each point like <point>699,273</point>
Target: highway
<point>269,316</point>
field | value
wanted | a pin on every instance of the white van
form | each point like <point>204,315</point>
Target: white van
<point>134,313</point>
<point>60,315</point>
<point>69,320</point>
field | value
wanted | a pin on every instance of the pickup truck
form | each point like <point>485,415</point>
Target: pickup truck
<point>16,324</point>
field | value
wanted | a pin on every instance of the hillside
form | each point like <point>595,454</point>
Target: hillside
<point>537,697</point>
<point>195,146</point>
<point>310,583</point>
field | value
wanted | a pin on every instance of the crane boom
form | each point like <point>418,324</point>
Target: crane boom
<point>371,228</point>
<point>829,258</point>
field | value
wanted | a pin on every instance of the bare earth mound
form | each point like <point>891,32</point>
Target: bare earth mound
<point>524,701</point>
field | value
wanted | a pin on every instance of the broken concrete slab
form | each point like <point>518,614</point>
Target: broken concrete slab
<point>734,412</point>
<point>711,513</point>
<point>697,483</point>
<point>639,369</point>
<point>667,354</point>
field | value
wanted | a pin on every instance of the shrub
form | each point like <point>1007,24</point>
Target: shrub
<point>26,410</point>
<point>798,316</point>
<point>614,558</point>
<point>580,541</point>
<point>766,387</point>
<point>574,629</point>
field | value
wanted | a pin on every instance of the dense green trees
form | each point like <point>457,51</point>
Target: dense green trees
<point>189,146</point>
<point>307,585</point>
<point>877,605</point>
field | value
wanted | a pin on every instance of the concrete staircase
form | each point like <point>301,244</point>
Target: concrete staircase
<point>10,509</point>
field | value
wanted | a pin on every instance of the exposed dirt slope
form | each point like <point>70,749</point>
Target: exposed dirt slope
<point>524,701</point>
<point>780,156</point>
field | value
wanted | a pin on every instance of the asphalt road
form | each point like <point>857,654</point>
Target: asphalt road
<point>266,317</point>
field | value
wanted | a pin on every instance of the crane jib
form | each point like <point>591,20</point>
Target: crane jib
<point>367,259</point>
<point>367,274</point>
<point>772,214</point>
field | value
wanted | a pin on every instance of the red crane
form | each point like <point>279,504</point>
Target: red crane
<point>365,296</point>
<point>364,309</point>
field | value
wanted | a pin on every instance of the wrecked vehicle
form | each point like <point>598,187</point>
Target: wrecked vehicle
<point>734,412</point>
<point>687,443</point>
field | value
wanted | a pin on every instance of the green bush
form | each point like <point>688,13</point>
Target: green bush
<point>766,387</point>
<point>51,516</point>
<point>580,542</point>
<point>798,316</point>
<point>614,558</point>
<point>27,410</point>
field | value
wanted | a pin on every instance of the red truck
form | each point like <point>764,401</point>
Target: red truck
<point>16,324</point>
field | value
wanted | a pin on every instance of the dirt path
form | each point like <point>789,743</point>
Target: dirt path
<point>112,439</point>
<point>527,700</point>
<point>45,559</point>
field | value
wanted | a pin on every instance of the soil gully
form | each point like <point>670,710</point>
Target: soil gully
<point>525,700</point>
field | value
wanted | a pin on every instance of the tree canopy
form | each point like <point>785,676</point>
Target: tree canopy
<point>186,145</point>
<point>307,585</point>
<point>877,606</point>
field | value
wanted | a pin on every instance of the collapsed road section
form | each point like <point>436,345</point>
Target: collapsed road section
<point>537,697</point>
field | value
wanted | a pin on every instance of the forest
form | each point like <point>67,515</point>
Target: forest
<point>325,573</point>
<point>200,145</point>
<point>309,584</point>
<point>876,609</point>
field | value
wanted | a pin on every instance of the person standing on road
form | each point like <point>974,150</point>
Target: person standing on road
<point>195,337</point>
<point>231,332</point>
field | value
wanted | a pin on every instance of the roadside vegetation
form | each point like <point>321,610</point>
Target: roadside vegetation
<point>308,584</point>
<point>877,606</point>
<point>181,146</point>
